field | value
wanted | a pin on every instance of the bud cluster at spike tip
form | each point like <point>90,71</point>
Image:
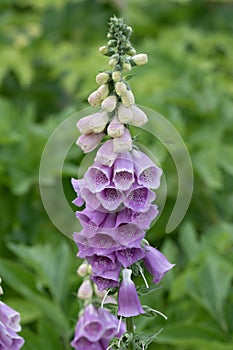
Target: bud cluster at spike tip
<point>117,191</point>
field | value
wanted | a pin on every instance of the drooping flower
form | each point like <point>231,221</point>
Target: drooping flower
<point>128,301</point>
<point>156,263</point>
<point>95,328</point>
<point>9,327</point>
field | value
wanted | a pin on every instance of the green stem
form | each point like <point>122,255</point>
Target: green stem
<point>130,328</point>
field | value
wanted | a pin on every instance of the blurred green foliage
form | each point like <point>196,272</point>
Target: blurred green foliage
<point>49,58</point>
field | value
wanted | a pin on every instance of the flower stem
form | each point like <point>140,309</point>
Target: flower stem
<point>130,328</point>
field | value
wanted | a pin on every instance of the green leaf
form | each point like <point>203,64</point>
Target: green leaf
<point>51,263</point>
<point>192,335</point>
<point>29,311</point>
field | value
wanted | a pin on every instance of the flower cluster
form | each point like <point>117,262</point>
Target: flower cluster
<point>95,328</point>
<point>115,195</point>
<point>9,327</point>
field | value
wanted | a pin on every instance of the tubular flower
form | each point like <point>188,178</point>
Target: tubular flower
<point>156,263</point>
<point>9,327</point>
<point>95,328</point>
<point>128,302</point>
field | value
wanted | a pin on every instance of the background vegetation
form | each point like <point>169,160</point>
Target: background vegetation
<point>49,58</point>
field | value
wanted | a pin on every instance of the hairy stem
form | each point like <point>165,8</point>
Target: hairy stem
<point>130,328</point>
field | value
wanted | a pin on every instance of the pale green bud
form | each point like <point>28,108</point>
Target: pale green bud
<point>116,75</point>
<point>103,49</point>
<point>120,88</point>
<point>115,128</point>
<point>128,98</point>
<point>113,62</point>
<point>126,67</point>
<point>140,59</point>
<point>82,270</point>
<point>102,78</point>
<point>123,143</point>
<point>85,291</point>
<point>103,91</point>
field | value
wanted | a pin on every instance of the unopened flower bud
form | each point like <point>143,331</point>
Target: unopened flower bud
<point>89,142</point>
<point>113,62</point>
<point>116,75</point>
<point>131,51</point>
<point>103,49</point>
<point>123,143</point>
<point>120,88</point>
<point>126,67</point>
<point>125,114</point>
<point>128,98</point>
<point>93,123</point>
<point>85,291</point>
<point>94,99</point>
<point>139,117</point>
<point>82,269</point>
<point>140,59</point>
<point>102,78</point>
<point>115,128</point>
<point>103,91</point>
<point>109,103</point>
<point>112,43</point>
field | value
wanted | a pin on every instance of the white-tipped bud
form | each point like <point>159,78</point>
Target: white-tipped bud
<point>131,51</point>
<point>116,75</point>
<point>102,78</point>
<point>103,49</point>
<point>94,99</point>
<point>113,62</point>
<point>115,128</point>
<point>128,98</point>
<point>126,67</point>
<point>140,59</point>
<point>103,91</point>
<point>82,270</point>
<point>85,291</point>
<point>109,103</point>
<point>125,114</point>
<point>120,88</point>
<point>105,154</point>
<point>123,143</point>
<point>93,123</point>
<point>139,117</point>
<point>89,142</point>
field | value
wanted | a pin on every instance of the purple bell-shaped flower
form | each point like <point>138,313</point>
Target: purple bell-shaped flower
<point>128,301</point>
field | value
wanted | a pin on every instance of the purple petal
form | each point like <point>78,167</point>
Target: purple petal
<point>77,184</point>
<point>128,234</point>
<point>110,198</point>
<point>148,173</point>
<point>84,344</point>
<point>143,220</point>
<point>156,263</point>
<point>139,198</point>
<point>107,279</point>
<point>128,301</point>
<point>90,220</point>
<point>90,198</point>
<point>123,172</point>
<point>97,177</point>
<point>123,217</point>
<point>129,256</point>
<point>101,263</point>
